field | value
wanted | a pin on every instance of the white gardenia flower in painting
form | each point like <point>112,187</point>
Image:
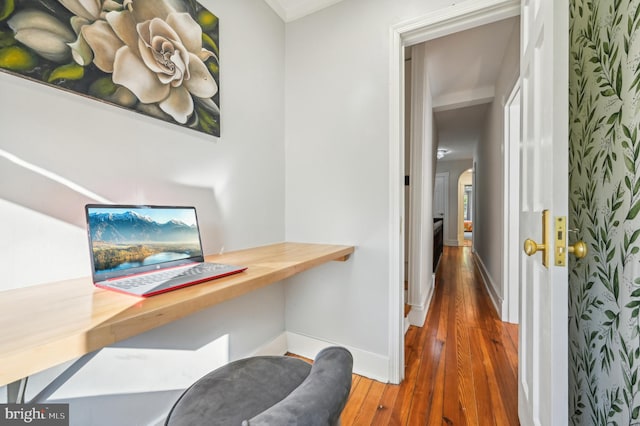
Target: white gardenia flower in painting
<point>150,48</point>
<point>43,33</point>
<point>86,13</point>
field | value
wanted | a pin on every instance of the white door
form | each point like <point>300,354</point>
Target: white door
<point>543,359</point>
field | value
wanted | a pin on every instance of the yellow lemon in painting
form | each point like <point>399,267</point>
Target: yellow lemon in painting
<point>15,58</point>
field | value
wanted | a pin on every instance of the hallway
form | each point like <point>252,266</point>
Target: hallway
<point>461,367</point>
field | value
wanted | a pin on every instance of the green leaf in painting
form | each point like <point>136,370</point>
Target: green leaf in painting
<point>102,88</point>
<point>71,71</point>
<point>15,58</point>
<point>6,8</point>
<point>208,41</point>
<point>213,67</point>
<point>6,39</point>
<point>206,121</point>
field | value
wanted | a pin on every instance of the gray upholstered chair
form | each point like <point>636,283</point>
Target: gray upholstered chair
<point>269,390</point>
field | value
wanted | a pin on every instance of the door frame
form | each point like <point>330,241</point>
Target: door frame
<point>511,203</point>
<point>458,17</point>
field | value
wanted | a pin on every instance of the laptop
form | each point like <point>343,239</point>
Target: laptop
<point>148,250</point>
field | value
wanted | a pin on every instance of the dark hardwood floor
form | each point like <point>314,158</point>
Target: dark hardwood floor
<point>461,366</point>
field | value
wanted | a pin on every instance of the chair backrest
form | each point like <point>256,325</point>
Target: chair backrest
<point>320,398</point>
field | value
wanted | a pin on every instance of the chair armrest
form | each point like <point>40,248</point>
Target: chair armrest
<point>320,398</point>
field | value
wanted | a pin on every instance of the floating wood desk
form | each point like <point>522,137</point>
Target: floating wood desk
<point>45,325</point>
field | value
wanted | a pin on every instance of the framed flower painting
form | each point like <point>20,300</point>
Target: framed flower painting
<point>155,57</point>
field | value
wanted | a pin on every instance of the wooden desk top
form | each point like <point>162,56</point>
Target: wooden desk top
<point>45,325</point>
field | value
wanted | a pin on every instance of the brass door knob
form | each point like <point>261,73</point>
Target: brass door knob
<point>579,249</point>
<point>531,247</point>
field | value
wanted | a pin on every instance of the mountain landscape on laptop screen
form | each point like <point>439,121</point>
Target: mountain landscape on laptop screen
<point>123,239</point>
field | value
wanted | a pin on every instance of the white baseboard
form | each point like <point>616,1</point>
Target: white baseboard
<point>368,364</point>
<point>407,323</point>
<point>365,363</point>
<point>277,346</point>
<point>489,285</point>
<point>418,313</point>
<point>453,243</point>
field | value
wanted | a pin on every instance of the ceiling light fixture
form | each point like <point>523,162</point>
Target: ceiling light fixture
<point>441,152</point>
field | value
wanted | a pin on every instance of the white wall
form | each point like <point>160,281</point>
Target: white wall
<point>489,180</point>
<point>455,168</point>
<point>337,162</point>
<point>237,184</point>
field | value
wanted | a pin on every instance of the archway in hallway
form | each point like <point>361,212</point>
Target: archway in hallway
<point>465,208</point>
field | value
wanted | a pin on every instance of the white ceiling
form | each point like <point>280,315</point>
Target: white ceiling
<point>462,67</point>
<point>290,10</point>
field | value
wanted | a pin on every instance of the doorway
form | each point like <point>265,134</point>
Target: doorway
<point>465,208</point>
<point>454,19</point>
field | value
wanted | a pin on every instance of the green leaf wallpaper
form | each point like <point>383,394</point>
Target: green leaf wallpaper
<point>604,182</point>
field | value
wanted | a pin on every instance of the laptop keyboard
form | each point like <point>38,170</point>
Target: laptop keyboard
<point>159,277</point>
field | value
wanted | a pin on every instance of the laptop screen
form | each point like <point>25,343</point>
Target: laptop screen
<point>126,240</point>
